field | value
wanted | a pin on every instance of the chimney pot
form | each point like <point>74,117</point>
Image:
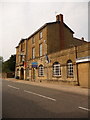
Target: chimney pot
<point>82,38</point>
<point>59,18</point>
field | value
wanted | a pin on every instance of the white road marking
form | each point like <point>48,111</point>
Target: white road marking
<point>84,108</point>
<point>40,95</point>
<point>13,87</point>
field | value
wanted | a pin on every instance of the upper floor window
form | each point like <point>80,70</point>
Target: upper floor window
<point>69,68</point>
<point>40,50</point>
<point>56,69</point>
<point>33,53</point>
<point>22,46</point>
<point>40,35</point>
<point>41,70</point>
<point>33,40</point>
<point>21,58</point>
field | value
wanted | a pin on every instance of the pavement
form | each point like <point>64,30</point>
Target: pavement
<point>61,87</point>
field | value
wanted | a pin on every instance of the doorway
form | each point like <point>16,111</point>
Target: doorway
<point>22,73</point>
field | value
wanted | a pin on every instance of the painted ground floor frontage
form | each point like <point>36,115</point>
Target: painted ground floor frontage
<point>67,66</point>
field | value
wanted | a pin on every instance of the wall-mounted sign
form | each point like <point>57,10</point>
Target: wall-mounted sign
<point>47,59</point>
<point>34,64</point>
<point>83,59</point>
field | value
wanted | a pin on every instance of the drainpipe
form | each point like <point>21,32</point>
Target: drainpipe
<point>26,60</point>
<point>77,67</point>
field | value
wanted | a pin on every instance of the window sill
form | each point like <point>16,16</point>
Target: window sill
<point>57,76</point>
<point>41,76</point>
<point>33,58</point>
<point>70,76</point>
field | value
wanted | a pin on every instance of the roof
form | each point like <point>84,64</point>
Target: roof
<point>46,25</point>
<point>80,40</point>
<point>68,28</point>
<point>17,46</point>
<point>41,29</point>
<point>22,40</point>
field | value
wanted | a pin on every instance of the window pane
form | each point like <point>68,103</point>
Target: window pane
<point>41,70</point>
<point>40,35</point>
<point>33,53</point>
<point>70,68</point>
<point>33,40</point>
<point>40,49</point>
<point>56,69</point>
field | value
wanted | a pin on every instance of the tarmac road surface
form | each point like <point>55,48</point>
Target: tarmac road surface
<point>21,100</point>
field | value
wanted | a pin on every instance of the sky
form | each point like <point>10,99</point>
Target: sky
<point>19,19</point>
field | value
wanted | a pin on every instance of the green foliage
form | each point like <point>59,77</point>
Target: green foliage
<point>9,65</point>
<point>1,60</point>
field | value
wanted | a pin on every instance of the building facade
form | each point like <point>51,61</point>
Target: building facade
<point>52,54</point>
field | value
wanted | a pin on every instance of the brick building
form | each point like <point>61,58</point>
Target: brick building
<point>52,54</point>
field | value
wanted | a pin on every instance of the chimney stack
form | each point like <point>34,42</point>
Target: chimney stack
<point>82,38</point>
<point>59,18</point>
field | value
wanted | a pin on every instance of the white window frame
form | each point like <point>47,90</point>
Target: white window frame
<point>40,50</point>
<point>56,70</point>
<point>69,69</point>
<point>40,35</point>
<point>33,52</point>
<point>41,70</point>
<point>19,58</point>
<point>33,40</point>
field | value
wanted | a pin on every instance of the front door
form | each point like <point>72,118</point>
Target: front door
<point>22,74</point>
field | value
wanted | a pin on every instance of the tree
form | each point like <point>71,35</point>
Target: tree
<point>1,61</point>
<point>9,65</point>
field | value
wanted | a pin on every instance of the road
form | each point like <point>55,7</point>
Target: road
<point>21,100</point>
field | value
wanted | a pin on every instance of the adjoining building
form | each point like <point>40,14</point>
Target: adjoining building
<point>52,54</point>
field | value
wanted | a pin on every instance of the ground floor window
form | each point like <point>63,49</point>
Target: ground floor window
<point>69,68</point>
<point>41,70</point>
<point>17,72</point>
<point>22,73</point>
<point>56,69</point>
<point>28,72</point>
